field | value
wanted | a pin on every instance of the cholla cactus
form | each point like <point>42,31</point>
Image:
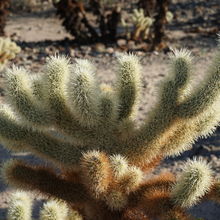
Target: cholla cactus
<point>20,208</point>
<point>142,24</point>
<point>89,133</point>
<point>8,50</point>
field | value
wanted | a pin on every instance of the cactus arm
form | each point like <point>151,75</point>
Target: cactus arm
<point>96,172</point>
<point>54,210</point>
<point>155,203</point>
<point>127,85</point>
<point>36,85</point>
<point>20,96</point>
<point>146,141</point>
<point>8,125</point>
<point>37,142</point>
<point>194,183</point>
<point>214,193</point>
<point>83,93</point>
<point>131,180</point>
<point>44,180</point>
<point>55,77</point>
<point>186,132</point>
<point>163,182</point>
<point>205,95</point>
<point>108,105</point>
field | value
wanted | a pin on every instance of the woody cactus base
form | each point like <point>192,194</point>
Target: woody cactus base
<point>4,6</point>
<point>102,158</point>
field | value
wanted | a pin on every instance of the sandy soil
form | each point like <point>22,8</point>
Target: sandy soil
<point>41,35</point>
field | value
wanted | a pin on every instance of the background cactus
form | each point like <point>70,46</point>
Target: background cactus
<point>102,158</point>
<point>142,24</point>
<point>8,50</point>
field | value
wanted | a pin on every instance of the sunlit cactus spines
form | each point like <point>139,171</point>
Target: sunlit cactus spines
<point>128,85</point>
<point>54,210</point>
<point>119,165</point>
<point>193,184</point>
<point>20,206</point>
<point>101,155</point>
<point>96,171</point>
<point>84,93</point>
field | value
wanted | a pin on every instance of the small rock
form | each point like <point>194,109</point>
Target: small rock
<point>99,47</point>
<point>140,53</point>
<point>110,50</point>
<point>72,53</point>
<point>121,42</point>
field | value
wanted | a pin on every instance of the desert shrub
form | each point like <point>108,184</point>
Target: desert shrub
<point>100,156</point>
<point>99,20</point>
<point>82,21</point>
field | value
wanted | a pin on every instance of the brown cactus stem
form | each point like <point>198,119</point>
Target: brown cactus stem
<point>112,23</point>
<point>108,24</point>
<point>148,6</point>
<point>159,25</point>
<point>214,193</point>
<point>75,20</point>
<point>4,6</point>
<point>46,181</point>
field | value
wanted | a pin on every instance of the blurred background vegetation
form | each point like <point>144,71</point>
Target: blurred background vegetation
<point>128,24</point>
